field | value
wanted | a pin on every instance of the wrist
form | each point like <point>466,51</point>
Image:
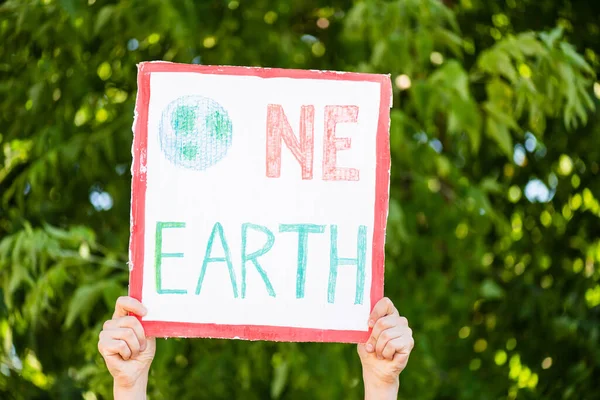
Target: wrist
<point>377,389</point>
<point>137,391</point>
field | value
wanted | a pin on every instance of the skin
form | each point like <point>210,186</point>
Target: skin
<point>128,353</point>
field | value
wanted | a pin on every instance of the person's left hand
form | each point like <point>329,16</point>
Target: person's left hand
<point>386,353</point>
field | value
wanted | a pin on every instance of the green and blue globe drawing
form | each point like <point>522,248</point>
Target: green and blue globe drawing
<point>195,132</point>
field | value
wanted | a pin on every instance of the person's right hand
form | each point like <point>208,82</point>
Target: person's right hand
<point>127,351</point>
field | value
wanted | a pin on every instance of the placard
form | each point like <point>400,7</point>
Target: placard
<point>259,201</point>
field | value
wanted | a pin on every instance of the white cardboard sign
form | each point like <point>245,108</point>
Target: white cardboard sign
<point>259,201</point>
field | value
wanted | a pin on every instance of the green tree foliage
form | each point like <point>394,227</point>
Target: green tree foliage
<point>492,249</point>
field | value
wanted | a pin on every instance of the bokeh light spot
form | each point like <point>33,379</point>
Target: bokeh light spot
<point>511,344</point>
<point>323,23</point>
<point>104,71</point>
<point>101,115</point>
<point>480,345</point>
<point>402,82</point>
<point>270,17</point>
<point>514,194</point>
<point>436,58</point>
<point>547,363</point>
<point>500,357</point>
<point>209,42</point>
<point>462,230</point>
<point>318,49</point>
<point>464,332</point>
<point>153,38</point>
<point>565,165</point>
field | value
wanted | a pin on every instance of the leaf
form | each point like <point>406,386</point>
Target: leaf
<point>111,293</point>
<point>450,16</point>
<point>17,252</point>
<point>450,40</point>
<point>497,62</point>
<point>396,130</point>
<point>453,75</point>
<point>482,202</point>
<point>586,98</point>
<point>6,245</point>
<point>35,93</point>
<point>109,147</point>
<point>551,37</point>
<point>354,28</point>
<point>421,96</point>
<point>474,132</point>
<point>529,45</point>
<point>521,102</point>
<point>397,220</point>
<point>537,120</point>
<point>70,6</point>
<point>83,233</point>
<point>490,185</point>
<point>423,42</point>
<point>499,92</point>
<point>500,134</point>
<point>58,233</point>
<point>56,278</point>
<point>564,326</point>
<point>83,301</point>
<point>103,17</point>
<point>379,52</point>
<point>491,290</point>
<point>500,116</point>
<point>279,379</point>
<point>19,276</point>
<point>464,116</point>
<point>575,58</point>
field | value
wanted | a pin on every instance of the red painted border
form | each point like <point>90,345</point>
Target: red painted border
<point>136,246</point>
<point>138,186</point>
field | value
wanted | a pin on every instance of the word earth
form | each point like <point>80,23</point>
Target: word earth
<point>302,230</point>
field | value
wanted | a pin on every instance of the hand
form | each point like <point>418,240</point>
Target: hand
<point>127,351</point>
<point>386,353</point>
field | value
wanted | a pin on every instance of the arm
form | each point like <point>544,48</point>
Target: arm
<point>127,351</point>
<point>386,353</point>
<point>136,392</point>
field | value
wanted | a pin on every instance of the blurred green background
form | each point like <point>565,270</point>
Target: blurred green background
<point>493,246</point>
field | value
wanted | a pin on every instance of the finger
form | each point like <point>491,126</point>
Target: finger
<point>382,308</point>
<point>385,337</point>
<point>381,325</point>
<point>109,347</point>
<point>400,345</point>
<point>400,361</point>
<point>128,336</point>
<point>132,323</point>
<point>126,304</point>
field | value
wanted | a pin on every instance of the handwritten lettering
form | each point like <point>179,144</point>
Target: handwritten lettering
<point>279,128</point>
<point>303,231</point>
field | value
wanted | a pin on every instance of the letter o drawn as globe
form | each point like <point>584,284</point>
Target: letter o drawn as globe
<point>195,132</point>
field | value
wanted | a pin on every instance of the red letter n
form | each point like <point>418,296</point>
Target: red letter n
<point>278,127</point>
<point>331,144</point>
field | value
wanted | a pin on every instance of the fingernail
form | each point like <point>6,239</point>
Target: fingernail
<point>371,323</point>
<point>143,347</point>
<point>144,311</point>
<point>369,347</point>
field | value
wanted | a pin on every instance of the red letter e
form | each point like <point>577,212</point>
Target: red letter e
<point>331,144</point>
